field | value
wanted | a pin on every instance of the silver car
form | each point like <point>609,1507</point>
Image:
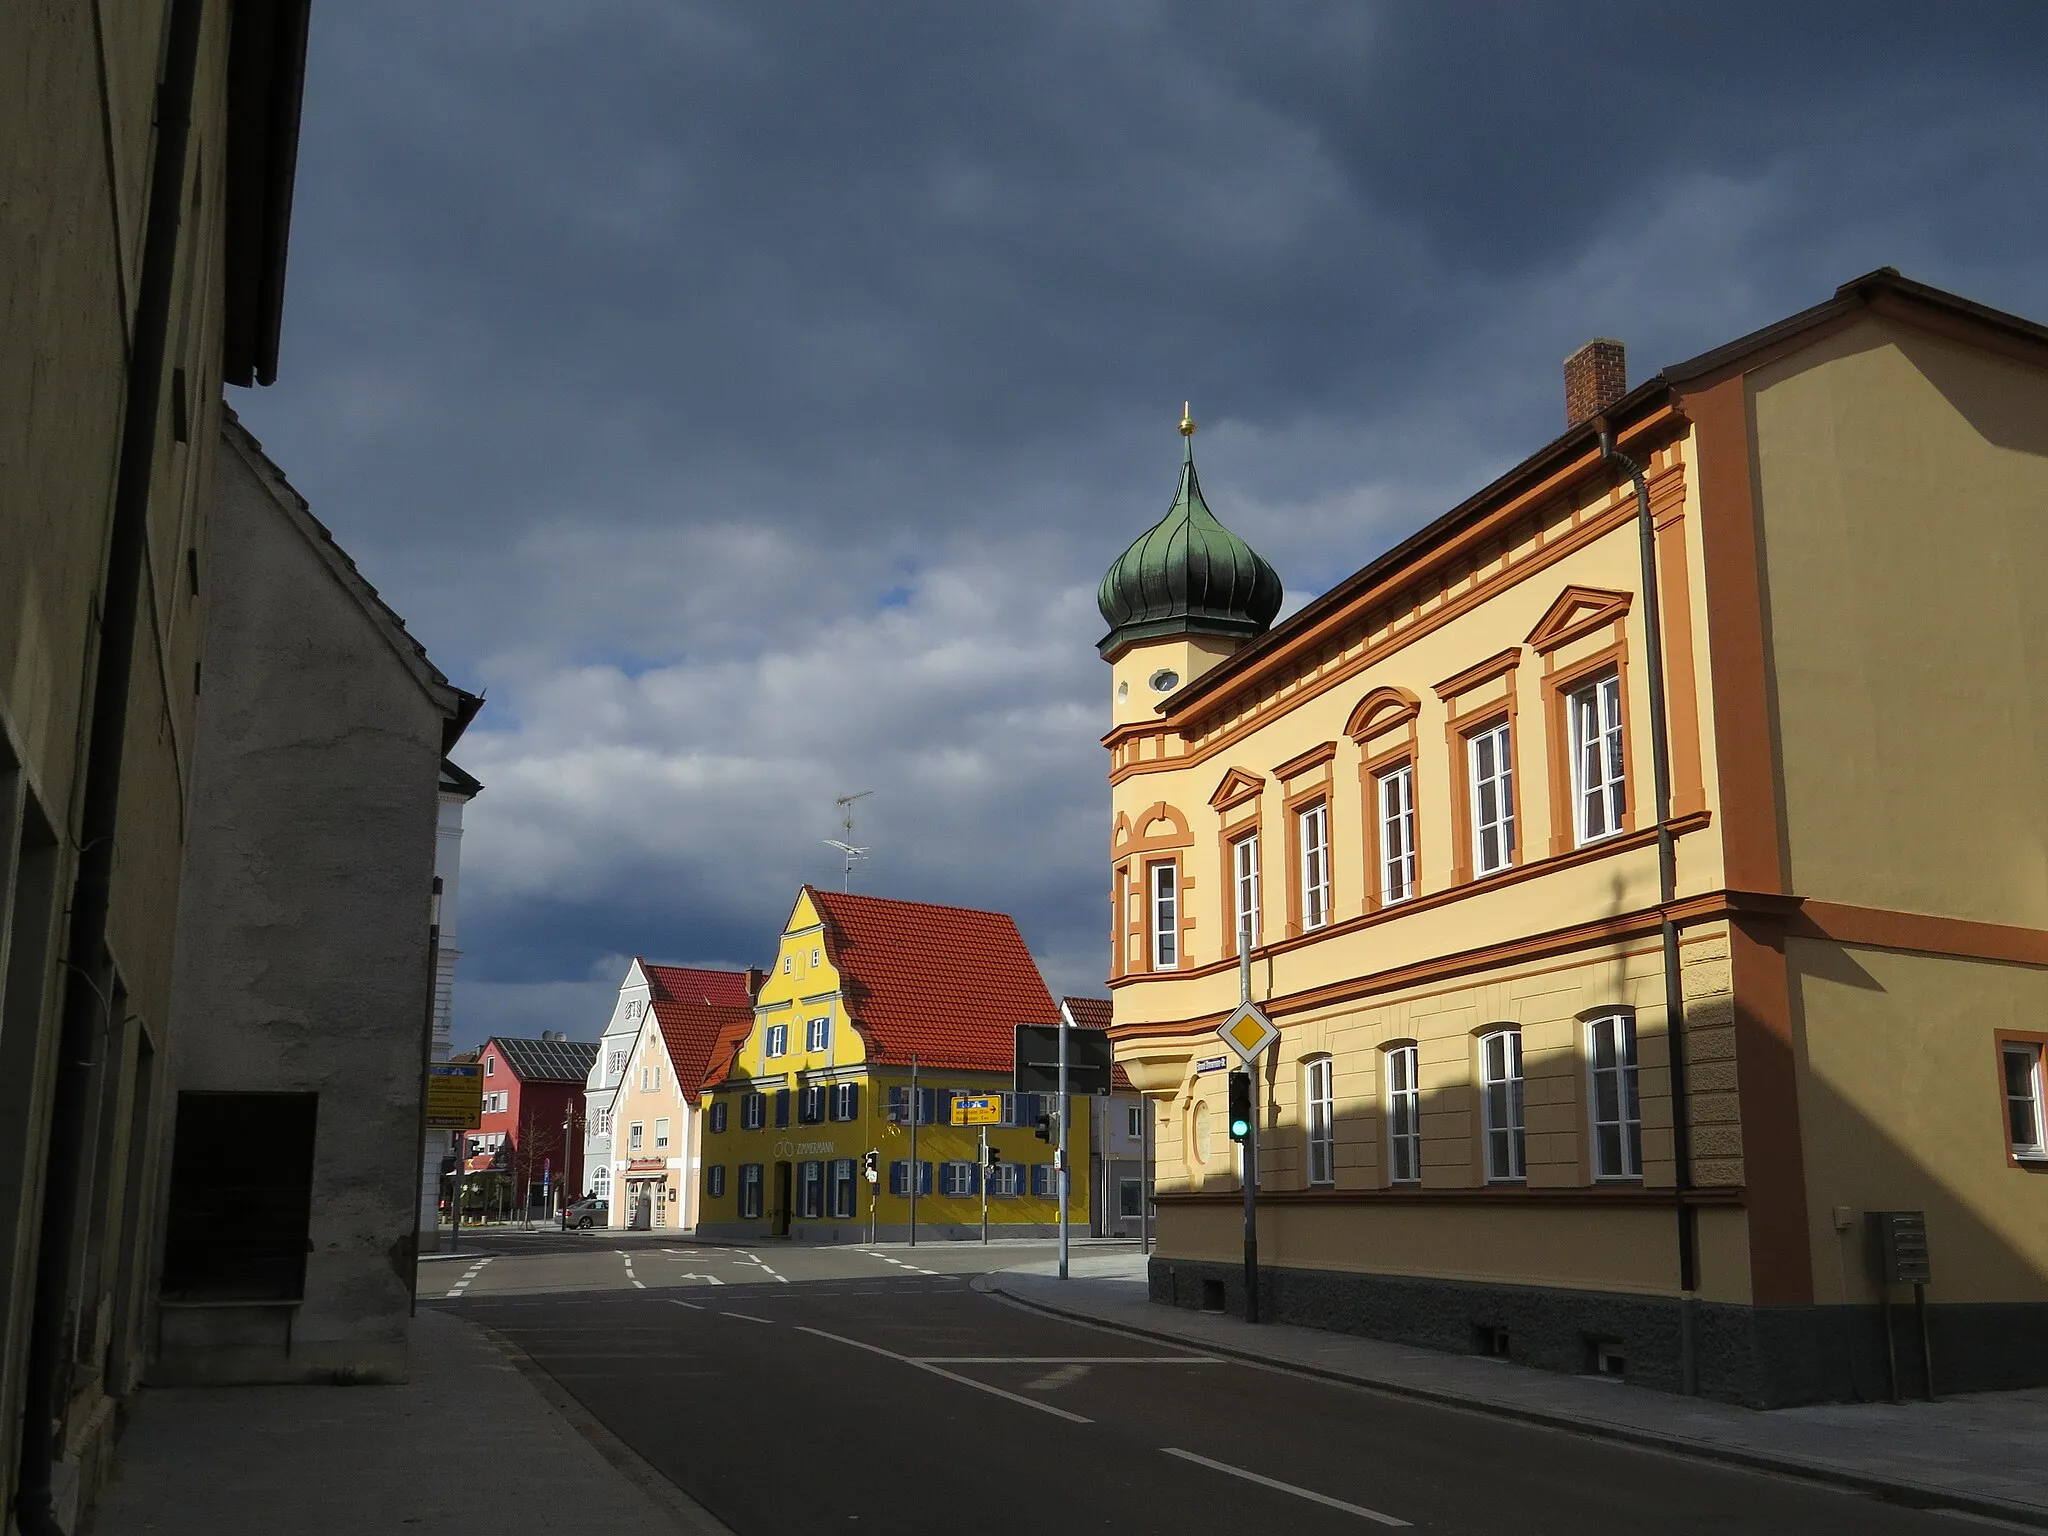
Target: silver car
<point>587,1212</point>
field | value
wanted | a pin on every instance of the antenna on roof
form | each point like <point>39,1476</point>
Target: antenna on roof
<point>853,855</point>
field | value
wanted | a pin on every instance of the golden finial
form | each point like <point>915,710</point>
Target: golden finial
<point>1187,420</point>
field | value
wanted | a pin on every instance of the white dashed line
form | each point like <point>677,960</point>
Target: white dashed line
<point>749,1317</point>
<point>693,1306</point>
<point>470,1274</point>
<point>965,1381</point>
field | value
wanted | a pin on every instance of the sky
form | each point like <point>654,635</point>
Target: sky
<point>747,398</point>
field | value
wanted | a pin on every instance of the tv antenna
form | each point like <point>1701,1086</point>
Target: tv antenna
<point>853,854</point>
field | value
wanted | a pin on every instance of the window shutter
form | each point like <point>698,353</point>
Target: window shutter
<point>781,1108</point>
<point>853,1101</point>
<point>974,1178</point>
<point>924,1178</point>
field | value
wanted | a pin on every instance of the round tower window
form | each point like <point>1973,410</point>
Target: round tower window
<point>1165,680</point>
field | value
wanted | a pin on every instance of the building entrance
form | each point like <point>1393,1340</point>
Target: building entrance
<point>782,1202</point>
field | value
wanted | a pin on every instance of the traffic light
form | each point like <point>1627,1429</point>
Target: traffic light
<point>1240,1106</point>
<point>871,1164</point>
<point>1045,1131</point>
<point>995,1158</point>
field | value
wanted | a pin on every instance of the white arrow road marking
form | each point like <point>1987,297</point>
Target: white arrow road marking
<point>965,1381</point>
<point>1059,1376</point>
<point>1273,1482</point>
<point>468,1275</point>
<point>712,1279</point>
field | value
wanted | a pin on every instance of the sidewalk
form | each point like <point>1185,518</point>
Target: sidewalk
<point>478,1440</point>
<point>1981,1453</point>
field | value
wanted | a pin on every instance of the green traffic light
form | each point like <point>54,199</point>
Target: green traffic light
<point>1240,1129</point>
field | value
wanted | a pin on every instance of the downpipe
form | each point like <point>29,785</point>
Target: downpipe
<point>1667,892</point>
<point>51,1320</point>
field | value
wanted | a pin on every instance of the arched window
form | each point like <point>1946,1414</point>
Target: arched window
<point>1319,1102</point>
<point>601,1182</point>
<point>1617,1110</point>
<point>1500,1089</point>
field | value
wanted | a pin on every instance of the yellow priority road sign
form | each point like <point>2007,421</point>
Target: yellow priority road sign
<point>1247,1031</point>
<point>978,1109</point>
<point>455,1096</point>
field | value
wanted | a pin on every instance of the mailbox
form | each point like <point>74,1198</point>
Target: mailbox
<point>1902,1247</point>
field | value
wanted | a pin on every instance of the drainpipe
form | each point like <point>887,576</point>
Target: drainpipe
<point>50,1342</point>
<point>1667,892</point>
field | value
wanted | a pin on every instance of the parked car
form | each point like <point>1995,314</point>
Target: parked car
<point>586,1213</point>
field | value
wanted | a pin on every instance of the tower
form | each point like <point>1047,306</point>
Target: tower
<point>1182,598</point>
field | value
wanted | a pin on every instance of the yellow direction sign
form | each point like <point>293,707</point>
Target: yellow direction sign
<point>455,1096</point>
<point>977,1109</point>
<point>1247,1031</point>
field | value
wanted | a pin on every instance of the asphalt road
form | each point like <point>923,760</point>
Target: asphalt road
<point>793,1391</point>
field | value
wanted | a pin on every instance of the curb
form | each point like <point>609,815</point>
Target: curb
<point>1899,1491</point>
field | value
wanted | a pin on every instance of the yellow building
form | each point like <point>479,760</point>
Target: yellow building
<point>1431,797</point>
<point>861,989</point>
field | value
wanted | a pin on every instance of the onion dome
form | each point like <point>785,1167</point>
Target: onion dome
<point>1187,575</point>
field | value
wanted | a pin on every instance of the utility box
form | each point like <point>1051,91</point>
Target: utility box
<point>1901,1238</point>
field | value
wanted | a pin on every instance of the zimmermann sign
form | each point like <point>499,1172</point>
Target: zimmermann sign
<point>788,1148</point>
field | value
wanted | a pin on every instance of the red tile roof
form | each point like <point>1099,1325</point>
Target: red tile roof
<point>696,1010</point>
<point>948,983</point>
<point>1093,1013</point>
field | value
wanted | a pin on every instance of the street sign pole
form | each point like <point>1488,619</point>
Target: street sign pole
<point>1066,1024</point>
<point>914,1117</point>
<point>1251,1143</point>
<point>984,1186</point>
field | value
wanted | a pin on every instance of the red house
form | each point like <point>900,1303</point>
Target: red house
<point>529,1147</point>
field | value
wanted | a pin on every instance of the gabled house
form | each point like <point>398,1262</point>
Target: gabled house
<point>875,1016</point>
<point>654,1124</point>
<point>525,1159</point>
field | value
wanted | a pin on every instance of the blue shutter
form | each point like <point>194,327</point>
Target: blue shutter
<point>924,1178</point>
<point>781,1108</point>
<point>899,1179</point>
<point>942,1106</point>
<point>974,1178</point>
<point>853,1101</point>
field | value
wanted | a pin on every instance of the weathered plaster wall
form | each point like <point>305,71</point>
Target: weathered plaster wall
<point>303,938</point>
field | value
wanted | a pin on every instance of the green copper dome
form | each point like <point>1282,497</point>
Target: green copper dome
<point>1187,575</point>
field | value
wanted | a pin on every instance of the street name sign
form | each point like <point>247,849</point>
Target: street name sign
<point>455,1096</point>
<point>1089,1057</point>
<point>1247,1031</point>
<point>1211,1064</point>
<point>978,1109</point>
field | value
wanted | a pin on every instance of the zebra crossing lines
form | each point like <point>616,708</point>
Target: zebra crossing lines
<point>469,1275</point>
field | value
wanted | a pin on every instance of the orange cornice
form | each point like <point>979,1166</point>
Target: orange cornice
<point>1306,762</point>
<point>1577,611</point>
<point>1133,834</point>
<point>1195,700</point>
<point>1384,709</point>
<point>1485,672</point>
<point>1237,785</point>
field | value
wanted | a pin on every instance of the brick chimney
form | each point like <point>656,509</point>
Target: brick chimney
<point>1595,377</point>
<point>755,977</point>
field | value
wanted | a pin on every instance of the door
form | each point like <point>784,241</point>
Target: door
<point>779,1214</point>
<point>661,1204</point>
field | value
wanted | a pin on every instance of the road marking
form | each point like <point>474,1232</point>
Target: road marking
<point>749,1317</point>
<point>1059,1376</point>
<point>468,1275</point>
<point>965,1381</point>
<point>712,1278</point>
<point>1273,1482</point>
<point>693,1306</point>
<point>1071,1360</point>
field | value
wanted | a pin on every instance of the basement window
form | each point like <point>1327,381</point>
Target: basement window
<point>1609,1358</point>
<point>1492,1342</point>
<point>240,1210</point>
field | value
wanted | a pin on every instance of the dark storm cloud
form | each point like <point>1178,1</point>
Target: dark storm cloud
<point>751,394</point>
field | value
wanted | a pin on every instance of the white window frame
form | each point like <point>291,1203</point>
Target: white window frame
<point>1244,884</point>
<point>754,1112</point>
<point>1404,1114</point>
<point>1312,824</point>
<point>601,1183</point>
<point>636,1135</point>
<point>818,1034</point>
<point>841,1178</point>
<point>1502,1097</point>
<point>810,1191</point>
<point>660,1132</point>
<point>1134,1121</point>
<point>2027,1101</point>
<point>719,1112</point>
<point>1396,794</point>
<point>1501,781</point>
<point>1162,895</point>
<point>752,1199</point>
<point>956,1178</point>
<point>1006,1180</point>
<point>776,1042</point>
<point>1319,1094</point>
<point>1614,1097</point>
<point>1599,774</point>
<point>714,1181</point>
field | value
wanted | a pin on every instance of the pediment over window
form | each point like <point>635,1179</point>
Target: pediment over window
<point>1237,786</point>
<point>1383,709</point>
<point>1578,611</point>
